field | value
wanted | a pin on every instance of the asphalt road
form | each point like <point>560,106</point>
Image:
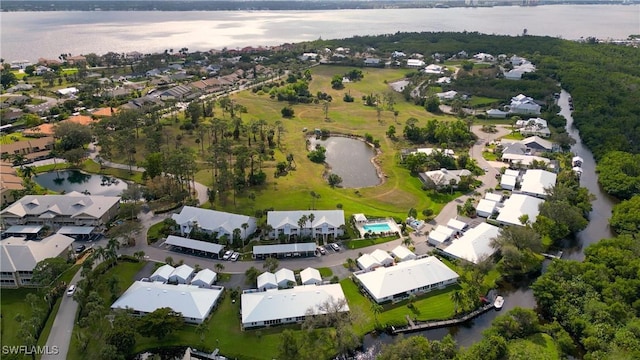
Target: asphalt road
<point>62,328</point>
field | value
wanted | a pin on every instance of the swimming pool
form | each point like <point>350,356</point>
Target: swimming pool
<point>377,228</point>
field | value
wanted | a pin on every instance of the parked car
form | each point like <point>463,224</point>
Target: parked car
<point>335,246</point>
<point>80,248</point>
<point>234,256</point>
<point>227,255</point>
<point>71,290</point>
<point>321,250</point>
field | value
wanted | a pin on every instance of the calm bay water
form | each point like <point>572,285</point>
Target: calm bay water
<point>30,35</point>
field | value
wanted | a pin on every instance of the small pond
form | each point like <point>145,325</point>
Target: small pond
<point>351,159</point>
<point>73,180</point>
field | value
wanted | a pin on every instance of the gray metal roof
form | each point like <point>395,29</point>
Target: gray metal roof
<point>283,248</point>
<point>194,244</point>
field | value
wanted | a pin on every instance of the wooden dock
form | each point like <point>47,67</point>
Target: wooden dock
<point>443,323</point>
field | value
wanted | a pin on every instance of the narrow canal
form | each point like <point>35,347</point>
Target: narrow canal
<point>522,295</point>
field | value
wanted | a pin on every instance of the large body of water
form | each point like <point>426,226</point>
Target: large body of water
<point>30,35</point>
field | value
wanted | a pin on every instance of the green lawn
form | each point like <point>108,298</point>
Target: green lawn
<point>514,136</point>
<point>11,138</point>
<point>480,101</point>
<point>325,272</point>
<point>535,347</point>
<point>360,243</point>
<point>489,156</point>
<point>12,301</point>
<point>434,305</point>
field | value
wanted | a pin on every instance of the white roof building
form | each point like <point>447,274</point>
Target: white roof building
<point>443,80</point>
<point>267,281</point>
<point>447,95</point>
<point>456,224</point>
<point>415,63</point>
<point>498,114</point>
<point>204,278</point>
<point>475,244</point>
<point>310,276</point>
<point>359,218</point>
<point>405,278</point>
<point>508,182</point>
<point>440,234</point>
<point>325,224</point>
<point>525,105</point>
<point>284,277</point>
<point>535,181</point>
<point>367,262</point>
<point>162,273</point>
<point>485,208</point>
<point>518,205</point>
<point>443,177</point>
<point>295,249</point>
<point>213,221</point>
<point>194,303</point>
<point>182,274</point>
<point>493,197</point>
<point>283,306</point>
<point>403,253</point>
<point>18,257</point>
<point>433,69</point>
<point>382,257</point>
<point>72,209</point>
<point>510,172</point>
<point>432,151</point>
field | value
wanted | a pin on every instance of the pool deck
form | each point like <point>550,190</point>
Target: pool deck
<point>393,227</point>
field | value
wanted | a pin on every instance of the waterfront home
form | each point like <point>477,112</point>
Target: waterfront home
<point>405,278</point>
<point>284,306</point>
<point>535,181</point>
<point>524,105</point>
<point>518,205</point>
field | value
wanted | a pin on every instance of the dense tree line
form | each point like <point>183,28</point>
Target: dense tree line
<point>626,217</point>
<point>619,174</point>
<point>445,133</point>
<point>596,301</point>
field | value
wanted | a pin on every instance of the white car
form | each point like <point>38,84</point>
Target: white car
<point>335,246</point>
<point>71,290</point>
<point>234,256</point>
<point>227,255</point>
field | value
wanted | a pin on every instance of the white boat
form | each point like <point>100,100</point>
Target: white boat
<point>499,302</point>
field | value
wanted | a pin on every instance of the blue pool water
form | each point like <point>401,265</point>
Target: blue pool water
<point>376,228</point>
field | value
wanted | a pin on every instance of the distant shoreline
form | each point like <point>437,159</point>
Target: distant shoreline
<point>275,5</point>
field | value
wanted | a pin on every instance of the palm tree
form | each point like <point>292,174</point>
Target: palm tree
<point>219,267</point>
<point>351,263</point>
<point>112,249</point>
<point>376,309</point>
<point>301,222</point>
<point>457,298</point>
<point>407,241</point>
<point>139,255</point>
<point>244,227</point>
<point>310,218</point>
<point>236,234</point>
<point>28,171</point>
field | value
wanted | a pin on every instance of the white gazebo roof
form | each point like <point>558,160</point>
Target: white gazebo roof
<point>456,224</point>
<point>267,279</point>
<point>493,197</point>
<point>359,217</point>
<point>403,253</point>
<point>163,273</point>
<point>204,276</point>
<point>284,276</point>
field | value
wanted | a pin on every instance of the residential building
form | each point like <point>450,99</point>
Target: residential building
<point>212,221</point>
<point>535,181</point>
<point>415,63</point>
<point>457,225</point>
<point>484,57</point>
<point>310,276</point>
<point>434,69</point>
<point>275,307</point>
<point>18,257</point>
<point>524,105</point>
<point>439,235</point>
<point>194,303</point>
<point>72,209</point>
<point>496,114</point>
<point>285,278</point>
<point>448,95</point>
<point>382,257</point>
<point>475,245</point>
<point>486,208</point>
<point>10,183</point>
<point>518,205</point>
<point>266,281</point>
<point>493,196</point>
<point>367,262</point>
<point>402,253</point>
<point>325,224</point>
<point>508,182</point>
<point>442,178</point>
<point>31,150</point>
<point>181,275</point>
<point>537,145</point>
<point>204,278</point>
<point>371,62</point>
<point>405,278</point>
<point>433,151</point>
<point>163,273</point>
